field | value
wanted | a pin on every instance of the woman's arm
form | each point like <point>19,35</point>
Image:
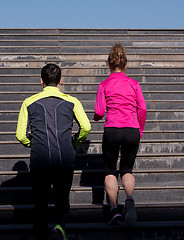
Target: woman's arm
<point>141,109</point>
<point>100,104</point>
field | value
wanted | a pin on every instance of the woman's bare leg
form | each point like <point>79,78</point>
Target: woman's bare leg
<point>111,186</point>
<point>128,182</point>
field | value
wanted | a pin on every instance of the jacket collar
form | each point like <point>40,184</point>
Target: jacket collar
<point>48,88</point>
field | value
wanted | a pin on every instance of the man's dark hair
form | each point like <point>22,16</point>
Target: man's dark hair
<point>51,74</point>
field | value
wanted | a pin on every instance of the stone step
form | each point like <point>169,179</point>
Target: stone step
<point>10,125</point>
<point>86,143</point>
<point>151,104</point>
<point>63,42</point>
<point>90,104</point>
<point>19,214</point>
<point>77,231</point>
<point>98,64</point>
<point>26,31</point>
<point>89,50</point>
<point>71,83</point>
<point>71,33</point>
<point>82,79</point>
<point>160,152</point>
<point>151,125</point>
<point>96,194</point>
<point>157,34</point>
<point>98,74</point>
<point>91,148</point>
<point>174,116</point>
<point>91,46</point>
<point>92,71</point>
<point>82,43</point>
<point>97,135</point>
<point>84,39</point>
<point>159,194</point>
<point>152,114</point>
<point>87,158</point>
<point>91,87</point>
<point>77,31</point>
<point>91,95</point>
<point>94,161</point>
<point>49,56</point>
<point>75,65</point>
<point>19,176</point>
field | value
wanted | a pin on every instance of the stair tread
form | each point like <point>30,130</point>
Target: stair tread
<point>99,206</point>
<point>142,186</point>
<point>99,226</point>
<point>96,155</point>
<point>78,172</point>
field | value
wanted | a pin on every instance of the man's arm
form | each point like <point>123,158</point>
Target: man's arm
<point>83,122</point>
<point>22,126</point>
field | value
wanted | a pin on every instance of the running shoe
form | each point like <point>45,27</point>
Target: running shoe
<point>59,232</point>
<point>115,216</point>
<point>131,216</point>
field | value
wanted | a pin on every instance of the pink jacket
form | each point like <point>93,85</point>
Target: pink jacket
<point>123,98</point>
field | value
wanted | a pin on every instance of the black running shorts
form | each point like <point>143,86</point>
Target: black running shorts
<point>115,140</point>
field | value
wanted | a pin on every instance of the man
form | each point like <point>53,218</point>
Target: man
<point>49,116</point>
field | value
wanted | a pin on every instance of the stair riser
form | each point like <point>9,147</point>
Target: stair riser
<point>99,126</point>
<point>135,41</point>
<point>155,148</point>
<point>100,64</point>
<point>86,57</point>
<point>91,50</point>
<point>98,196</point>
<point>93,215</point>
<point>151,115</point>
<point>130,32</point>
<point>165,162</point>
<point>6,105</point>
<point>97,179</point>
<point>86,87</point>
<point>91,96</point>
<point>98,136</point>
<point>92,79</point>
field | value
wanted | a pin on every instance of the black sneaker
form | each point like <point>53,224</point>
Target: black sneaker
<point>115,216</point>
<point>59,232</point>
<point>131,216</point>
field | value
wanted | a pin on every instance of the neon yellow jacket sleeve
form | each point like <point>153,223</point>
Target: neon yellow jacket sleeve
<point>83,122</point>
<point>22,126</point>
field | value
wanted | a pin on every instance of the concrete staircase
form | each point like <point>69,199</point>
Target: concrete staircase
<point>156,60</point>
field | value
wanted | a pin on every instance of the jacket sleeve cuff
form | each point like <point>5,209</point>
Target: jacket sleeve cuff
<point>96,117</point>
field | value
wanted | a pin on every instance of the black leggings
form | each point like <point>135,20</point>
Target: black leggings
<point>42,179</point>
<point>114,139</point>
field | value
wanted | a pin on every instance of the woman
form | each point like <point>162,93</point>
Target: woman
<point>123,128</point>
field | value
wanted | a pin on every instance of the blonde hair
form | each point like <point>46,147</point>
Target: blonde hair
<point>117,57</point>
